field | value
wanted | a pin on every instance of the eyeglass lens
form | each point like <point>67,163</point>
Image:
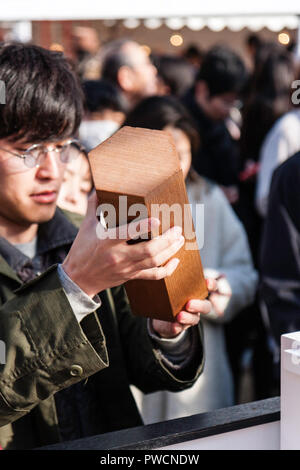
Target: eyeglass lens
<point>67,153</point>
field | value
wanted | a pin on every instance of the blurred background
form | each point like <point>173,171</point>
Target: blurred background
<point>218,76</point>
<point>161,27</point>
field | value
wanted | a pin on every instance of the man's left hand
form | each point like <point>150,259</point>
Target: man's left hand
<point>186,318</point>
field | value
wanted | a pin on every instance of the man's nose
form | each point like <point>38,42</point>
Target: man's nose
<point>50,166</point>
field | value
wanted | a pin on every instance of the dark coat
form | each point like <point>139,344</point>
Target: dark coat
<point>217,157</point>
<point>280,251</point>
<point>64,380</point>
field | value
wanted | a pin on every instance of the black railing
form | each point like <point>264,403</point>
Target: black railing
<point>155,436</point>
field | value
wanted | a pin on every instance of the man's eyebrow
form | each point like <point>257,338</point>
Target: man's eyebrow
<point>21,148</point>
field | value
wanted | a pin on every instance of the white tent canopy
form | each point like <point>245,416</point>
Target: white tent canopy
<point>18,10</point>
<point>195,14</point>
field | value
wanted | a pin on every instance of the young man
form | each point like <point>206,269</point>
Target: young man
<point>210,101</point>
<point>57,330</point>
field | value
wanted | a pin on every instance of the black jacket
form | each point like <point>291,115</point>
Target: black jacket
<point>280,250</point>
<point>217,158</point>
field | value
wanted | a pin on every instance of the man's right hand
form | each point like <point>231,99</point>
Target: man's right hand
<point>96,264</point>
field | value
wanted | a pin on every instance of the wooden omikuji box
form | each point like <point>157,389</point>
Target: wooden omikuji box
<point>143,165</point>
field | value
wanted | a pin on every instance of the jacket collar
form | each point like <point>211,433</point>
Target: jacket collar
<point>7,271</point>
<point>57,232</point>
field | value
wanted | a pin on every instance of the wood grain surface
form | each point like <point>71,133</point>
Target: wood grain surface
<point>143,165</point>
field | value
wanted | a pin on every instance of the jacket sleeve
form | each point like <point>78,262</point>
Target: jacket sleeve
<point>46,349</point>
<point>145,365</point>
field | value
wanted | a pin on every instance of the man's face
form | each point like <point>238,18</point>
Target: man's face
<point>144,73</point>
<point>28,195</point>
<point>220,105</point>
<point>216,107</point>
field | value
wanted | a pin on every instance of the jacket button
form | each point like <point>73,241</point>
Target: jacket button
<point>76,370</point>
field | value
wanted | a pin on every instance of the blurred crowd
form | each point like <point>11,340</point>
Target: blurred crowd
<point>232,126</point>
<point>235,129</point>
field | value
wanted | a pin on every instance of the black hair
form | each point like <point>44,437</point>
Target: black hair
<point>101,95</point>
<point>253,40</point>
<point>43,95</point>
<point>113,58</point>
<point>176,73</point>
<point>222,70</point>
<point>268,97</point>
<point>193,51</point>
<point>157,112</point>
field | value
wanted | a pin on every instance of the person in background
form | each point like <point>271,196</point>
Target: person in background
<point>279,291</point>
<point>126,64</point>
<point>85,49</point>
<point>267,97</point>
<point>281,142</point>
<point>175,75</point>
<point>77,185</point>
<point>105,111</point>
<point>194,55</point>
<point>253,44</point>
<point>225,257</point>
<point>210,101</point>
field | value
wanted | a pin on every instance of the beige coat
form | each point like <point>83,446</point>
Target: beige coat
<point>225,251</point>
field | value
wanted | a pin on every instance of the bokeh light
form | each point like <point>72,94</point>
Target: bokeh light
<point>146,48</point>
<point>283,38</point>
<point>176,40</point>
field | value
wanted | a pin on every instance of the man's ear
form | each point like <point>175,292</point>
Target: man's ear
<point>126,78</point>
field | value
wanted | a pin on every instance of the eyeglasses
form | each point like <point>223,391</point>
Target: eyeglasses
<point>34,156</point>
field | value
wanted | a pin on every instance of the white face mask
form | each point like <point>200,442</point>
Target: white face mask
<point>93,133</point>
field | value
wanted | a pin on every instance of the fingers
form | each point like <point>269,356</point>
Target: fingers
<point>212,284</point>
<point>158,245</point>
<point>158,260</point>
<point>198,306</point>
<point>136,229</point>
<point>188,319</point>
<point>155,274</point>
<point>140,229</point>
<point>194,308</point>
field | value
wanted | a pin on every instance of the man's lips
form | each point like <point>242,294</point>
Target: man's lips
<point>44,197</point>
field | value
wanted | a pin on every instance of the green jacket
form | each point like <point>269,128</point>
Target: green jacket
<point>47,350</point>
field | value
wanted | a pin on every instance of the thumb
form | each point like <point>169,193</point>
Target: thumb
<point>91,213</point>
